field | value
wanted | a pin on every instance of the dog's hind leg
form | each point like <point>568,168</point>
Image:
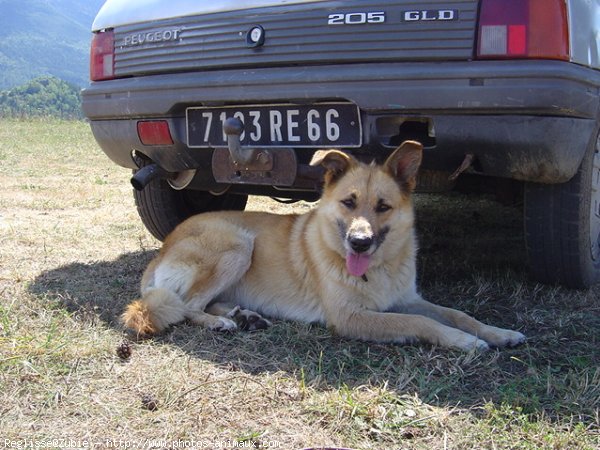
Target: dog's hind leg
<point>215,260</point>
<point>188,275</point>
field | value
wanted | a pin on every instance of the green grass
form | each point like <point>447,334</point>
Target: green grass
<point>72,251</point>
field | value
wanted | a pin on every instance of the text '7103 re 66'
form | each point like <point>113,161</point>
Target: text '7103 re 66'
<point>328,124</point>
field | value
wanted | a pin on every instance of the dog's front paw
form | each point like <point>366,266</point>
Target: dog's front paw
<point>460,340</point>
<point>223,324</point>
<point>471,343</point>
<point>248,320</point>
<point>499,337</point>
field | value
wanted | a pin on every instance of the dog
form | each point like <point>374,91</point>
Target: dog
<point>349,263</point>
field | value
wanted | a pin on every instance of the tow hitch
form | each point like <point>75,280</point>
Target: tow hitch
<point>237,165</point>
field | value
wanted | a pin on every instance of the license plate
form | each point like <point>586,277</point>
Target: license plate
<point>321,125</point>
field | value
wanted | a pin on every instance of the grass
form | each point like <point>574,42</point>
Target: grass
<point>72,251</point>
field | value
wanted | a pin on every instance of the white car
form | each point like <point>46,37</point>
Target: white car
<point>212,101</point>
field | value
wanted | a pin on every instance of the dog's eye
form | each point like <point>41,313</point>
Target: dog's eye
<point>349,203</point>
<point>382,207</point>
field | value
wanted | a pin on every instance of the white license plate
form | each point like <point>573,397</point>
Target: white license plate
<point>284,125</point>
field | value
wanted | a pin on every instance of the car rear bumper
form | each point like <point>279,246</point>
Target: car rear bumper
<point>527,120</point>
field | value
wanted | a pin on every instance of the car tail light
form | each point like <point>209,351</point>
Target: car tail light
<point>102,57</point>
<point>523,29</point>
<point>154,132</point>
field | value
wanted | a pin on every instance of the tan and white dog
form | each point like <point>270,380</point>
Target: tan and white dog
<point>349,264</point>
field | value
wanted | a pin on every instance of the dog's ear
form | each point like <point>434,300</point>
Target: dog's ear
<point>335,162</point>
<point>404,163</point>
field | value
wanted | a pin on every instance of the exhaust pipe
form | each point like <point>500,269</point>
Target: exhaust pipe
<point>148,173</point>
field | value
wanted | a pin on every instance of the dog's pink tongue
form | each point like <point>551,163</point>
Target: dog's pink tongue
<point>357,264</point>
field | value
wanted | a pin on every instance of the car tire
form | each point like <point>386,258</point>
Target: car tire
<point>162,208</point>
<point>562,226</point>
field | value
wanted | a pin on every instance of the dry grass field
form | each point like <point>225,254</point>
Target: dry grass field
<point>72,251</point>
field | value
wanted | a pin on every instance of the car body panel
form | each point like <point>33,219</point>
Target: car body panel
<point>527,120</point>
<point>115,13</point>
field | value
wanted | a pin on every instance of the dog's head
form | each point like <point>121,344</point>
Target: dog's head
<point>367,207</point>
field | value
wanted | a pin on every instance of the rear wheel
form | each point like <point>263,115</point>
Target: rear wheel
<point>562,225</point>
<point>162,208</point>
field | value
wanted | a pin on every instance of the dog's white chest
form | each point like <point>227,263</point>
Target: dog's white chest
<point>382,291</point>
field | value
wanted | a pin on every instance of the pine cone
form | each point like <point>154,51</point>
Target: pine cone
<point>149,402</point>
<point>124,350</point>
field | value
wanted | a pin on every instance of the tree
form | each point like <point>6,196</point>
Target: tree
<point>42,97</point>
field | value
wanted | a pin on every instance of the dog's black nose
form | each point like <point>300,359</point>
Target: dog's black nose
<point>360,244</point>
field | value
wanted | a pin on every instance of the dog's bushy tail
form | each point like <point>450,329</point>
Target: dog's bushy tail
<point>155,311</point>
